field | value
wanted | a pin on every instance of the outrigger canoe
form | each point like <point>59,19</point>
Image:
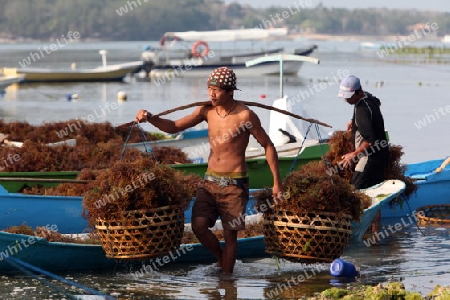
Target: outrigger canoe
<point>64,214</point>
<point>105,73</point>
<point>433,188</point>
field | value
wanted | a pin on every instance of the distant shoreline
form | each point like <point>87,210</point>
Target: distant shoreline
<point>362,38</point>
<point>310,36</point>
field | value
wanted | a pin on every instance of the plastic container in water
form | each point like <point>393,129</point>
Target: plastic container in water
<point>342,268</point>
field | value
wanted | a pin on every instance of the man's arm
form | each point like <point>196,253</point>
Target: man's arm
<point>347,160</point>
<point>363,119</point>
<point>171,126</point>
<point>271,154</point>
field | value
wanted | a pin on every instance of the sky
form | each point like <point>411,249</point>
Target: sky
<point>435,5</point>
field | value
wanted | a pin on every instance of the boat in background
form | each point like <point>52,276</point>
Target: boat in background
<point>15,182</point>
<point>369,46</point>
<point>104,73</point>
<point>7,80</point>
<point>68,142</point>
<point>199,60</point>
<point>432,178</point>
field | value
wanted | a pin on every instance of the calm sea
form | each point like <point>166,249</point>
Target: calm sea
<point>416,108</point>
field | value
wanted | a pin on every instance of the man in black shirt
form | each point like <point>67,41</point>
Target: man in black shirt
<point>368,133</point>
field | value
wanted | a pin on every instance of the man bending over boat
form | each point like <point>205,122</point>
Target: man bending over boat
<point>368,134</point>
<point>224,190</point>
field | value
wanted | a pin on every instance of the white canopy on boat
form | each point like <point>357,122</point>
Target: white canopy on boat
<point>227,34</point>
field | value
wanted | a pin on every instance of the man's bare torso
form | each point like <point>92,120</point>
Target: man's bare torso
<point>228,138</point>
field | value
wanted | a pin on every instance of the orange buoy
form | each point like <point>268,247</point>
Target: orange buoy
<point>195,49</point>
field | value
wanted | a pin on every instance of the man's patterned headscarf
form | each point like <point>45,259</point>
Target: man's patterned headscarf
<point>223,78</point>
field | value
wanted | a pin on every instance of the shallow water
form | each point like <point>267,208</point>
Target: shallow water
<point>419,261</point>
<point>409,93</point>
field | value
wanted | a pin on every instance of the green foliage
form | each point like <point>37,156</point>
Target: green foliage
<point>149,19</point>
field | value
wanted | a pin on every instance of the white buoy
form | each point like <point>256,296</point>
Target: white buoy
<point>121,95</point>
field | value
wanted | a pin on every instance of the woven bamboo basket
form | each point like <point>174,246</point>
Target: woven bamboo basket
<point>308,237</point>
<point>433,215</point>
<point>142,234</point>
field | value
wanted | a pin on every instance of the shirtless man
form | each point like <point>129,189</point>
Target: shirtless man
<point>224,191</point>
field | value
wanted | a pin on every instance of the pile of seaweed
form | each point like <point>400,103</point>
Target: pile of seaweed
<point>311,189</point>
<point>51,235</point>
<point>140,184</point>
<point>98,145</point>
<point>325,185</point>
<point>341,143</point>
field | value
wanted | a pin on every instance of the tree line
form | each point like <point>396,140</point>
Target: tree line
<point>149,19</point>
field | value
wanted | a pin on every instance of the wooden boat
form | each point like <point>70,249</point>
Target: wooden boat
<point>168,61</point>
<point>64,215</point>
<point>258,169</point>
<point>104,73</point>
<point>433,181</point>
<point>56,256</point>
<point>291,157</point>
<point>15,182</point>
<point>36,210</point>
<point>381,194</point>
<point>6,81</point>
<point>68,142</point>
<point>199,68</point>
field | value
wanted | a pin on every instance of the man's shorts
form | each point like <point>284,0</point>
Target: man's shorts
<point>217,196</point>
